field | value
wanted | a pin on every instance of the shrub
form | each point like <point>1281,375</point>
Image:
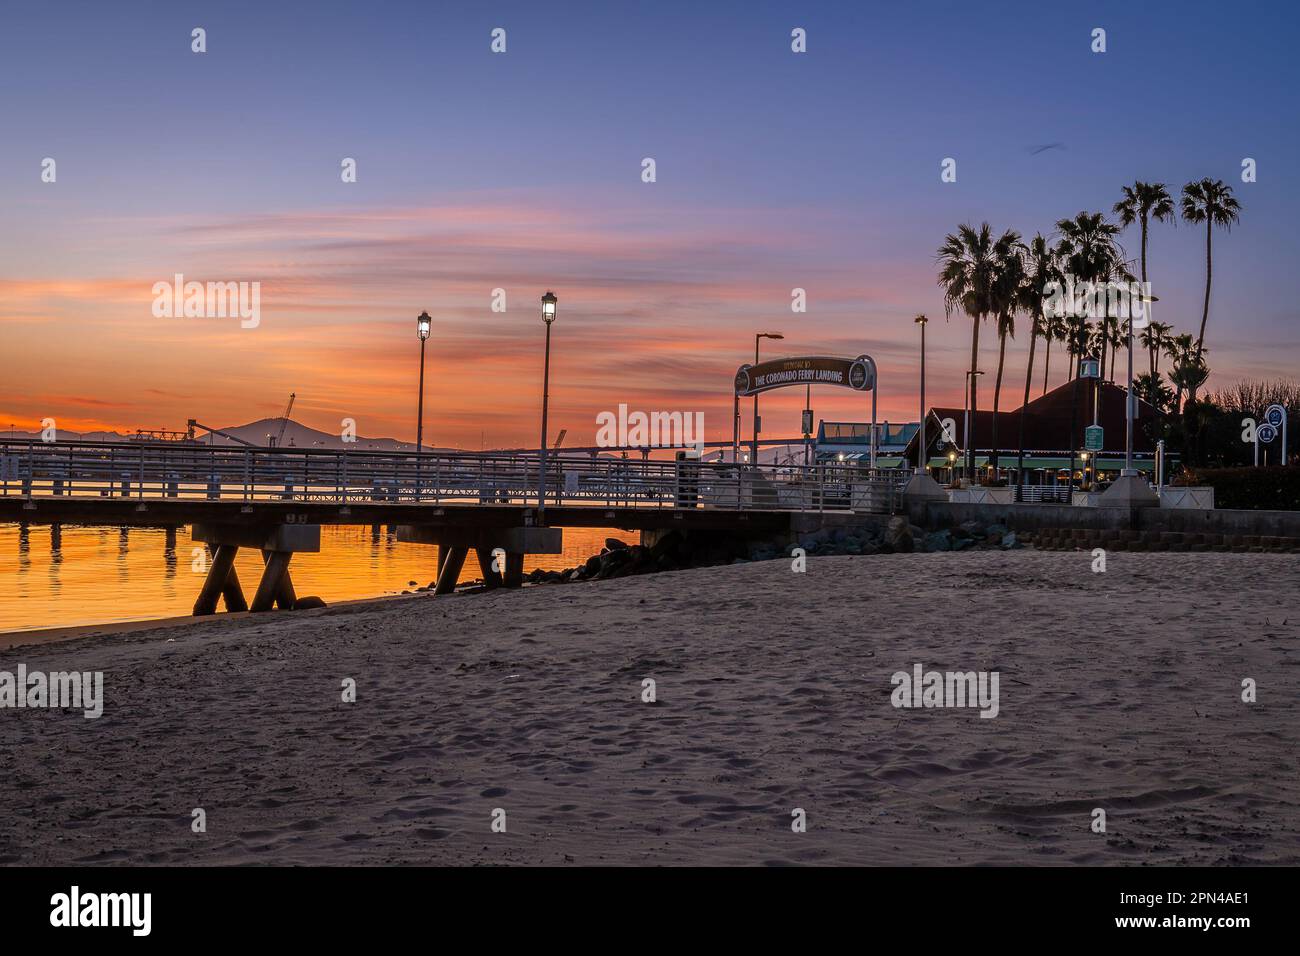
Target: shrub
<point>1251,489</point>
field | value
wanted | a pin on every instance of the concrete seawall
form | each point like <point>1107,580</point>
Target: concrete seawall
<point>1031,517</point>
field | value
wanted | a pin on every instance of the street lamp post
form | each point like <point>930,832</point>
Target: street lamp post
<point>968,451</point>
<point>921,320</point>
<point>422,325</point>
<point>735,429</point>
<point>1129,470</point>
<point>548,316</point>
<point>757,336</point>
<point>807,428</point>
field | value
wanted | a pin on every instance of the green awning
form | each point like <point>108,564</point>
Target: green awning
<point>1032,462</point>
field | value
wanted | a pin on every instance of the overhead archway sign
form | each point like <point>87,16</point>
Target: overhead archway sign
<point>858,373</point>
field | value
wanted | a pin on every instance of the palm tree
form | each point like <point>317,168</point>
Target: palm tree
<point>967,271</point>
<point>1088,250</point>
<point>1154,337</point>
<point>1076,339</point>
<point>1053,329</point>
<point>1008,293</point>
<point>1209,201</point>
<point>1153,391</point>
<point>1143,202</point>
<point>1114,339</point>
<point>1088,247</point>
<point>1097,342</point>
<point>1189,367</point>
<point>1040,268</point>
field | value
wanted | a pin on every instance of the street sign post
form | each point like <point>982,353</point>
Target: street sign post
<point>1276,416</point>
<point>1264,435</point>
<point>1093,437</point>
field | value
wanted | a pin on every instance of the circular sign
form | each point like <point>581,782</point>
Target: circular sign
<point>1265,433</point>
<point>858,376</point>
<point>742,379</point>
<point>1275,415</point>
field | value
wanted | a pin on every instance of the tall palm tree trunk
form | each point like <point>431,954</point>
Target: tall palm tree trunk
<point>974,367</point>
<point>997,398</point>
<point>1029,378</point>
<point>1074,425</point>
<point>1047,361</point>
<point>1209,269</point>
<point>1205,309</point>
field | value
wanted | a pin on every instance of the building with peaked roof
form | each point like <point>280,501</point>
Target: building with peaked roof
<point>1048,439</point>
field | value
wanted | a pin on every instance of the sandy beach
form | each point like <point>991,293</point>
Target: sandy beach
<point>1118,690</point>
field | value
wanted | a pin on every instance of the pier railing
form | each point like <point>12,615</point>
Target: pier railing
<point>153,470</point>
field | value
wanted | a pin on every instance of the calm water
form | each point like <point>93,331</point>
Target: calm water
<point>102,575</point>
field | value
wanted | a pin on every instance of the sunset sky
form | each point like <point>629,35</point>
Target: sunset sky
<point>523,171</point>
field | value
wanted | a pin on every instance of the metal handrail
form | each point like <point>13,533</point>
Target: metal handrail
<point>184,471</point>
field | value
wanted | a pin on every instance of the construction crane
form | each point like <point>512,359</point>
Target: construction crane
<point>215,431</point>
<point>284,421</point>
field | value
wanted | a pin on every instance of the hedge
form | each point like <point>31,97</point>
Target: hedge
<point>1253,489</point>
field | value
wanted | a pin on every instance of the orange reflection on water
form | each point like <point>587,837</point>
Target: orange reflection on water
<point>76,576</point>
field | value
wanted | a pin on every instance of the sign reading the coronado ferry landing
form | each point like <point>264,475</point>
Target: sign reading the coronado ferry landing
<point>858,373</point>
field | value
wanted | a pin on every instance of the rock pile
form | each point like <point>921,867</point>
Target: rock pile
<point>900,536</point>
<point>675,551</point>
<point>671,552</point>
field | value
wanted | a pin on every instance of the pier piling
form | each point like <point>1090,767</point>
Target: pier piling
<point>277,544</point>
<point>491,576</point>
<point>454,544</point>
<point>449,573</point>
<point>214,585</point>
<point>269,589</point>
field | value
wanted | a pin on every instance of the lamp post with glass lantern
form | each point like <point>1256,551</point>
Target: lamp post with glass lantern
<point>757,336</point>
<point>422,326</point>
<point>921,320</point>
<point>548,316</point>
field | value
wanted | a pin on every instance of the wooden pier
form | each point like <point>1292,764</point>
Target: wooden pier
<point>276,500</point>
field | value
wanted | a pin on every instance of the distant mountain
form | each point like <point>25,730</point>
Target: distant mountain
<point>296,435</point>
<point>63,435</point>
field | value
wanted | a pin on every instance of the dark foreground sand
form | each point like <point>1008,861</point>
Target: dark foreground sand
<point>1118,690</point>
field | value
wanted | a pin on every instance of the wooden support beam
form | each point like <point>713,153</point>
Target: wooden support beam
<point>269,587</point>
<point>491,576</point>
<point>449,574</point>
<point>285,595</point>
<point>219,570</point>
<point>233,593</point>
<point>514,569</point>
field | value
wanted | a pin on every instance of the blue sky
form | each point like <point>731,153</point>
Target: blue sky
<point>774,170</point>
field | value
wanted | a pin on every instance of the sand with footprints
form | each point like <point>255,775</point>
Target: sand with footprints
<point>1118,690</point>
